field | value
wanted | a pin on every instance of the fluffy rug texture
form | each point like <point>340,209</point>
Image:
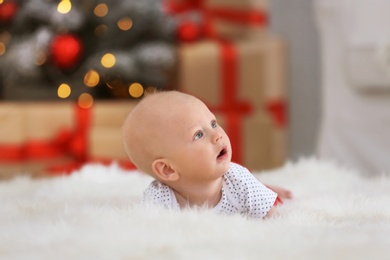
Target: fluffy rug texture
<point>336,213</point>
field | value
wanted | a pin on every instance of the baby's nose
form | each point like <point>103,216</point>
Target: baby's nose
<point>218,137</point>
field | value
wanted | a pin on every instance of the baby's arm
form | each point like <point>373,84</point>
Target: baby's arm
<point>282,192</point>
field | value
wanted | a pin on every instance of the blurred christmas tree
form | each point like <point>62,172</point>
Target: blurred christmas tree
<point>90,48</point>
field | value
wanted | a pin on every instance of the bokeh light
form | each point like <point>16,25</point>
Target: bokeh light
<point>108,60</point>
<point>125,23</point>
<point>2,48</point>
<point>63,91</point>
<point>85,100</point>
<point>64,6</point>
<point>91,78</point>
<point>101,10</point>
<point>101,30</point>
<point>150,90</point>
<point>136,90</point>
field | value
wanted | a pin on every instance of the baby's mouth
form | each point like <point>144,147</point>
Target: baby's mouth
<point>222,153</point>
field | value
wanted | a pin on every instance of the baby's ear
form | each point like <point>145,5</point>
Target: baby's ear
<point>164,171</point>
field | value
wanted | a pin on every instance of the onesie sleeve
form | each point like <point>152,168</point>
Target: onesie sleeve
<point>252,197</point>
<point>159,194</point>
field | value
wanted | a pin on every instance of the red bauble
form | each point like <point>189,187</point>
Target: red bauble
<point>7,11</point>
<point>188,31</point>
<point>66,51</point>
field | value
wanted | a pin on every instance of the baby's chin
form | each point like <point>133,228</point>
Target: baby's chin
<point>225,167</point>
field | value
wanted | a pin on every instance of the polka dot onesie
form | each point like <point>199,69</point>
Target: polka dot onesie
<point>242,193</point>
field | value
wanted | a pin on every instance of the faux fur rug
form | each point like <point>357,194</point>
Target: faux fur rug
<point>336,213</point>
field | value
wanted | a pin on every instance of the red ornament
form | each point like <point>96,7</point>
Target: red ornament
<point>66,51</point>
<point>188,31</point>
<point>7,11</point>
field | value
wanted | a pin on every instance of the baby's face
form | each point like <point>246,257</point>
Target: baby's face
<point>199,148</point>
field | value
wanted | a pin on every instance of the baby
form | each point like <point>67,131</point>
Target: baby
<point>175,138</point>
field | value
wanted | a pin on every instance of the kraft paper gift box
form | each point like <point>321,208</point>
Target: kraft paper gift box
<point>254,70</point>
<point>255,143</point>
<point>231,19</point>
<point>49,130</point>
<point>41,138</point>
<point>240,76</point>
<point>28,144</point>
<point>105,142</point>
<point>11,139</point>
<point>234,19</point>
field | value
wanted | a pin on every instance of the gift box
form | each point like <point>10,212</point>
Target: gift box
<point>250,138</point>
<point>40,140</point>
<point>11,131</point>
<point>239,79</point>
<point>230,19</point>
<point>45,138</point>
<point>233,19</point>
<point>257,142</point>
<point>253,71</point>
<point>105,135</point>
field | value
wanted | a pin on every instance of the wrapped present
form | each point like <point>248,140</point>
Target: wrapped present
<point>250,138</point>
<point>31,135</point>
<point>105,135</point>
<point>246,70</point>
<point>238,79</point>
<point>233,19</point>
<point>11,132</point>
<point>42,138</point>
<point>257,142</point>
<point>224,19</point>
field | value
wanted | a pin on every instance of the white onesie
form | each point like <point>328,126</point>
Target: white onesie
<point>242,193</point>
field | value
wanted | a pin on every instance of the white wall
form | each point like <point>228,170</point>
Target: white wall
<point>293,20</point>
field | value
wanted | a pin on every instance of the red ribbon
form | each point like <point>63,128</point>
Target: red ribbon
<point>9,152</point>
<point>72,143</point>
<point>233,108</point>
<point>172,7</point>
<point>247,17</point>
<point>277,110</point>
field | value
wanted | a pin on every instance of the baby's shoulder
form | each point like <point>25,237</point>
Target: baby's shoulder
<point>238,175</point>
<point>157,190</point>
<point>237,171</point>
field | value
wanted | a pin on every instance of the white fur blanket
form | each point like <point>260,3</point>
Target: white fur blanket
<point>93,214</point>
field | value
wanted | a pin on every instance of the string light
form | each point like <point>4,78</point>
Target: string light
<point>101,10</point>
<point>63,91</point>
<point>136,90</point>
<point>2,48</point>
<point>108,60</point>
<point>64,6</point>
<point>85,100</point>
<point>125,23</point>
<point>101,29</point>
<point>150,90</point>
<point>91,78</point>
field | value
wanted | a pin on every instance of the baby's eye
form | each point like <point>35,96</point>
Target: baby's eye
<point>198,135</point>
<point>214,124</point>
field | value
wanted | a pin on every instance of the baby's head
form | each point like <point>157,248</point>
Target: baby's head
<point>173,136</point>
